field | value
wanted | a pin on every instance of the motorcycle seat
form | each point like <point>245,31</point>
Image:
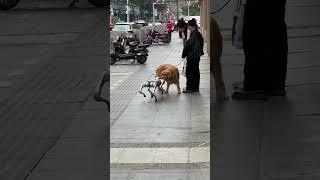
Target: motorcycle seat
<point>143,45</point>
<point>127,56</point>
<point>133,44</point>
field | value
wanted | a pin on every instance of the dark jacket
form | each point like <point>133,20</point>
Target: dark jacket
<point>194,46</point>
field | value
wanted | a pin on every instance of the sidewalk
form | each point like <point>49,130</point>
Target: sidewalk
<point>50,126</point>
<point>277,139</point>
<point>168,138</point>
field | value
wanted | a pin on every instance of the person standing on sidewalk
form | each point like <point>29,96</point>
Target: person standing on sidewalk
<point>216,46</point>
<point>193,50</point>
<point>265,45</point>
<point>183,30</point>
<point>169,27</point>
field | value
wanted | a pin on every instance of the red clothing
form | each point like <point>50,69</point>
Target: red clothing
<point>169,27</point>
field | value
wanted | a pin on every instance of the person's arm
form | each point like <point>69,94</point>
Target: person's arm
<point>201,40</point>
<point>185,50</point>
<point>185,33</point>
<point>198,44</point>
<point>201,43</point>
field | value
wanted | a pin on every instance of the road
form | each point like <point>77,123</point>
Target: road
<point>50,61</point>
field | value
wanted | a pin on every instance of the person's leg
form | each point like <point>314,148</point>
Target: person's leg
<point>277,42</point>
<point>254,70</point>
<point>216,47</point>
<point>284,63</point>
<point>254,77</point>
<point>218,79</point>
<point>189,74</point>
<point>251,52</point>
<point>196,75</point>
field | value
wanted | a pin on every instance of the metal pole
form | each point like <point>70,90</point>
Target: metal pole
<point>153,16</point>
<point>188,8</point>
<point>128,15</point>
<point>177,9</point>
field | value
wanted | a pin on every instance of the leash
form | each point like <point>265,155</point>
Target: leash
<point>181,61</point>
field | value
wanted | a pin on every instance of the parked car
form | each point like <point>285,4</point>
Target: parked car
<point>144,26</point>
<point>141,23</point>
<point>125,26</point>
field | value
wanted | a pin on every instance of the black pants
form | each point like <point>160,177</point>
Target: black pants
<point>193,74</point>
<point>265,46</point>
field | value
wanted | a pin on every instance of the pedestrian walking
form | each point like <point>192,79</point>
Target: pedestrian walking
<point>183,30</point>
<point>265,45</point>
<point>193,50</point>
<point>216,46</point>
<point>169,27</point>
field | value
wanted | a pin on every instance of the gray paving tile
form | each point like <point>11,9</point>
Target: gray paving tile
<point>94,121</point>
<point>5,84</point>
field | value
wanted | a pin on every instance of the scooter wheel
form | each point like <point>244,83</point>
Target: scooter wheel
<point>141,59</point>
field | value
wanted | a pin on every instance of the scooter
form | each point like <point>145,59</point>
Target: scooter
<point>120,53</point>
<point>156,37</point>
<point>135,47</point>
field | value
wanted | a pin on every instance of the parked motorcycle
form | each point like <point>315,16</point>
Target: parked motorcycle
<point>154,36</point>
<point>134,46</point>
<point>120,53</point>
<point>137,47</point>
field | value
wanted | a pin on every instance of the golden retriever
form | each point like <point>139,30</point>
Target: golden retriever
<point>170,74</point>
<point>161,68</point>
